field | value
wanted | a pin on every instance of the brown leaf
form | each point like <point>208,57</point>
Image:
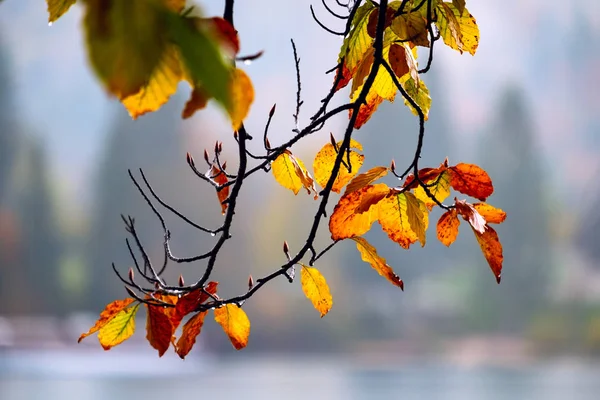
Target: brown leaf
<point>471,180</point>
<point>220,178</point>
<point>447,227</point>
<point>470,214</point>
<point>198,100</point>
<point>492,250</point>
<point>158,328</point>
<point>235,323</point>
<point>107,314</point>
<point>345,222</point>
<point>56,8</point>
<point>398,60</point>
<point>191,330</point>
<point>374,18</point>
<point>491,214</point>
<point>369,255</point>
<point>315,288</point>
<point>362,180</point>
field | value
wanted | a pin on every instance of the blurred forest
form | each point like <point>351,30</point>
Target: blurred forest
<point>54,262</point>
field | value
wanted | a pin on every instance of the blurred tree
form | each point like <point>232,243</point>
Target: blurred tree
<point>7,123</point>
<point>509,154</point>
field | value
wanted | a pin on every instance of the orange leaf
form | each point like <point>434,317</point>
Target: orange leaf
<point>158,328</point>
<point>235,323</point>
<point>198,100</point>
<point>191,330</point>
<point>471,180</point>
<point>369,255</point>
<point>346,222</point>
<point>189,302</point>
<point>119,328</point>
<point>107,314</point>
<point>220,178</point>
<point>396,222</point>
<point>492,250</point>
<point>491,214</point>
<point>447,227</point>
<point>362,180</point>
<point>325,159</point>
<point>242,96</point>
<point>470,214</point>
<point>316,289</point>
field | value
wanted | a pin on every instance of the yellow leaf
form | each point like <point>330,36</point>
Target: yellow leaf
<point>394,219</point>
<point>369,255</point>
<point>119,328</point>
<point>108,314</point>
<point>416,218</point>
<point>458,29</point>
<point>162,85</point>
<point>358,41</point>
<point>316,290</point>
<point>362,180</point>
<point>325,159</point>
<point>291,173</point>
<point>126,41</point>
<point>440,189</point>
<point>56,8</point>
<point>420,94</point>
<point>235,323</point>
<point>242,96</point>
<point>355,212</point>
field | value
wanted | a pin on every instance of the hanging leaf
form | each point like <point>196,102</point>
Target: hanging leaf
<point>447,227</point>
<point>440,189</point>
<point>491,214</point>
<point>416,217</point>
<point>362,180</point>
<point>411,28</point>
<point>159,330</point>
<point>315,288</point>
<point>458,28</point>
<point>459,5</point>
<point>197,101</point>
<point>290,172</point>
<point>190,331</point>
<point>346,222</point>
<point>162,85</point>
<point>242,96</point>
<point>190,301</point>
<point>470,214</point>
<point>220,178</point>
<point>120,328</point>
<point>369,255</point>
<point>235,323</point>
<point>56,8</point>
<point>394,219</point>
<point>420,94</point>
<point>109,312</point>
<point>325,159</point>
<point>471,180</point>
<point>492,250</point>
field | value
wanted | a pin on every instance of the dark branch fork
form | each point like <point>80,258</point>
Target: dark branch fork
<point>153,275</point>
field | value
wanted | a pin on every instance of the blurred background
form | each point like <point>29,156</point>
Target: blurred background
<point>525,108</point>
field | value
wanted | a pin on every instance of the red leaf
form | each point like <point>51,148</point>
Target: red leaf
<point>471,180</point>
<point>190,302</point>
<point>158,328</point>
<point>226,33</point>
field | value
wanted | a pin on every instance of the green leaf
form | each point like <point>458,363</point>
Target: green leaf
<point>125,40</point>
<point>420,94</point>
<point>202,57</point>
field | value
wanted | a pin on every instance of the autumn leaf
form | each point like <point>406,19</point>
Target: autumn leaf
<point>369,255</point>
<point>242,96</point>
<point>109,312</point>
<point>225,33</point>
<point>471,180</point>
<point>159,329</point>
<point>190,331</point>
<point>190,301</point>
<point>416,218</point>
<point>220,178</point>
<point>471,215</point>
<point>162,85</point>
<point>411,28</point>
<point>447,227</point>
<point>491,214</point>
<point>395,220</point>
<point>56,8</point>
<point>197,101</point>
<point>457,27</point>
<point>459,5</point>
<point>362,180</point>
<point>175,5</point>
<point>120,328</point>
<point>403,62</point>
<point>346,222</point>
<point>325,159</point>
<point>235,323</point>
<point>290,172</point>
<point>420,94</point>
<point>126,41</point>
<point>492,250</point>
<point>316,289</point>
<point>439,189</point>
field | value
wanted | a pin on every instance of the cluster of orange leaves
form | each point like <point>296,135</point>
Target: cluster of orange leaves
<point>117,321</point>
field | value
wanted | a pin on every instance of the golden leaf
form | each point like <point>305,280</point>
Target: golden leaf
<point>315,288</point>
<point>447,227</point>
<point>369,255</point>
<point>120,328</point>
<point>107,314</point>
<point>242,96</point>
<point>362,180</point>
<point>394,219</point>
<point>56,8</point>
<point>325,159</point>
<point>235,323</point>
<point>457,28</point>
